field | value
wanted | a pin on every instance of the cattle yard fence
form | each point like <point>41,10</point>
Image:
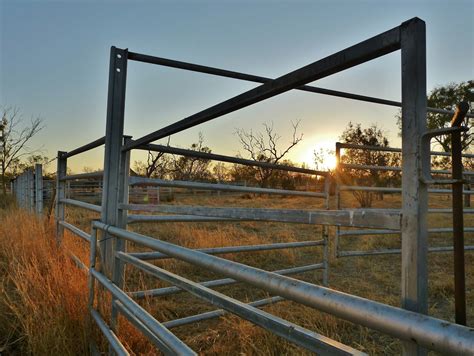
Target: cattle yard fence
<point>348,184</point>
<point>109,237</point>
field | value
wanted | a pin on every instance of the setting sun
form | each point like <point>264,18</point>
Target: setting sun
<point>325,160</point>
<point>330,161</point>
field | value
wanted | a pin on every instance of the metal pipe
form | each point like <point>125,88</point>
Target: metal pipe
<point>168,338</point>
<point>229,159</point>
<point>234,249</point>
<point>216,313</point>
<point>291,332</point>
<point>394,149</point>
<point>39,188</point>
<point>259,79</point>
<point>220,187</point>
<point>74,229</point>
<point>84,176</point>
<point>370,218</point>
<point>159,292</point>
<point>134,218</point>
<point>394,251</point>
<point>437,230</point>
<point>396,190</point>
<point>430,332</point>
<point>109,334</point>
<point>86,147</point>
<point>458,217</point>
<point>81,204</point>
<point>140,326</point>
<point>367,50</point>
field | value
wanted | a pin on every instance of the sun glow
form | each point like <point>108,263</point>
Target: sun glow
<point>330,161</point>
<point>326,157</point>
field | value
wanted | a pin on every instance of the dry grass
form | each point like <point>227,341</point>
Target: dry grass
<point>42,289</point>
<point>42,294</point>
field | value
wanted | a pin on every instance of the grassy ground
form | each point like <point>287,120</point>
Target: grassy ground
<point>43,288</point>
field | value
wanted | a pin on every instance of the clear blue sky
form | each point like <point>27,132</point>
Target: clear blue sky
<point>54,64</point>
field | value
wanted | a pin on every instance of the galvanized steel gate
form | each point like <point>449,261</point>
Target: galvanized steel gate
<point>410,324</point>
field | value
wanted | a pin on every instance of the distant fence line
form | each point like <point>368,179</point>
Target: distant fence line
<point>32,191</point>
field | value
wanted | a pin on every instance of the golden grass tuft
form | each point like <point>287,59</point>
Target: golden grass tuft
<point>43,296</point>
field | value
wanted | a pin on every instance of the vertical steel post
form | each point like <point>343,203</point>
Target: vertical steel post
<point>337,179</point>
<point>118,275</point>
<point>61,172</point>
<point>414,191</point>
<point>22,191</point>
<point>25,191</point>
<point>458,215</point>
<point>458,231</point>
<point>113,145</point>
<point>31,189</point>
<point>39,188</point>
<point>325,231</point>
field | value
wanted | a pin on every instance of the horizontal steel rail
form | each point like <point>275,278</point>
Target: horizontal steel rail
<point>289,331</point>
<point>234,249</point>
<point>78,262</point>
<point>169,339</point>
<point>396,251</point>
<point>369,189</point>
<point>259,79</point>
<point>140,326</point>
<point>393,149</point>
<point>86,147</point>
<point>75,230</point>
<point>83,176</point>
<point>423,330</point>
<point>135,218</point>
<point>229,159</point>
<point>393,168</point>
<point>438,230</point>
<point>376,218</point>
<point>394,190</point>
<point>367,50</point>
<point>159,292</point>
<point>449,210</point>
<point>113,340</point>
<point>81,204</point>
<point>220,187</point>
<point>216,313</point>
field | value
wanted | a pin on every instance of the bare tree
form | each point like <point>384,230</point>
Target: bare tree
<point>263,147</point>
<point>157,165</point>
<point>14,140</point>
<point>192,168</point>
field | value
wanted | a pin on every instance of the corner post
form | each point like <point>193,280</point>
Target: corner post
<point>61,173</point>
<point>39,188</point>
<point>113,147</point>
<point>414,191</point>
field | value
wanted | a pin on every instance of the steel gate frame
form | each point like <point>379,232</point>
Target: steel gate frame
<point>417,330</point>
